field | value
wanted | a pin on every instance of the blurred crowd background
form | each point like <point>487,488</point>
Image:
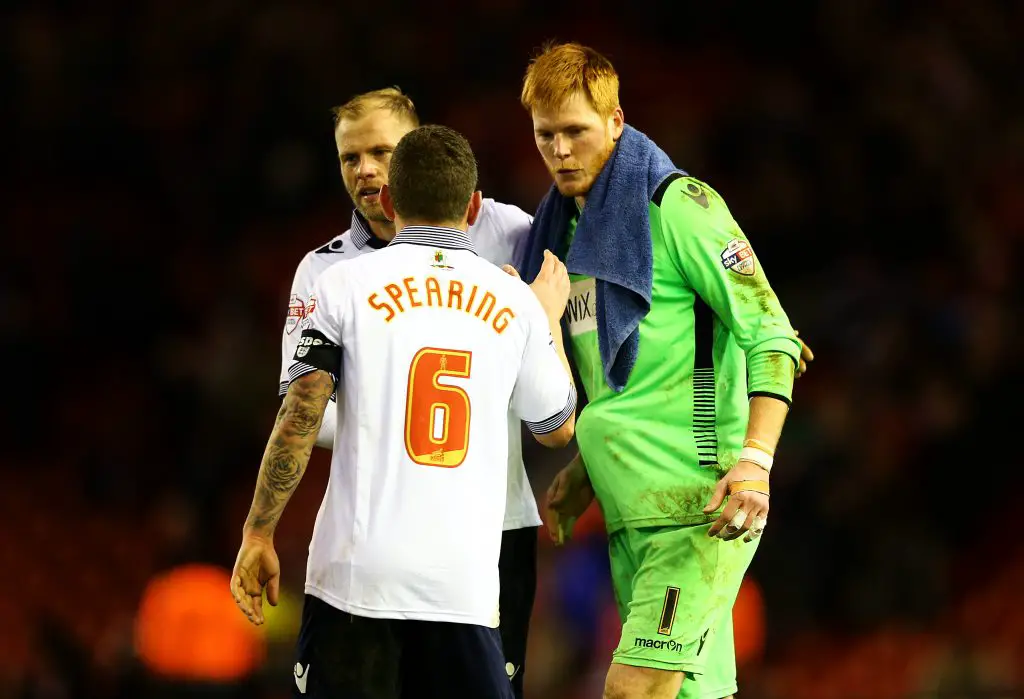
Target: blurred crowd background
<point>167,165</point>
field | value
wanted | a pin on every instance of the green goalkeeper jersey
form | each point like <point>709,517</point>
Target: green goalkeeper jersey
<point>715,335</point>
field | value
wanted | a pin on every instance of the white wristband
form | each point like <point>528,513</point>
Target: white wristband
<point>756,456</point>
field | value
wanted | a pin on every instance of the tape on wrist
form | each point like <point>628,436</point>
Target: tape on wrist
<point>757,456</point>
<point>743,486</point>
<point>758,444</point>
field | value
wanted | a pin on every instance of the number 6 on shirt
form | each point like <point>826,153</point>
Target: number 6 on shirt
<point>437,416</point>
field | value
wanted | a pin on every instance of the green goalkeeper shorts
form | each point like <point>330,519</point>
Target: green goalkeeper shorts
<point>675,588</point>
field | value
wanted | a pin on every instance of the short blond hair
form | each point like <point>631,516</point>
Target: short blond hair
<point>389,98</point>
<point>560,70</point>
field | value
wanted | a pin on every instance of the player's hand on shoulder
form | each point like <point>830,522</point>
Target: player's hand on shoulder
<point>806,356</point>
<point>746,510</point>
<point>551,287</point>
<point>510,271</point>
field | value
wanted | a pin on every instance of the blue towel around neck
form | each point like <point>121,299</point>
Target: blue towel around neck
<point>612,244</point>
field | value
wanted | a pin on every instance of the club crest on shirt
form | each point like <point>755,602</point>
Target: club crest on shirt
<point>440,260</point>
<point>298,312</point>
<point>739,258</point>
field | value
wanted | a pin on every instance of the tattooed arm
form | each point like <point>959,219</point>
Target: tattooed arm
<point>284,462</point>
<point>288,450</point>
<point>313,374</point>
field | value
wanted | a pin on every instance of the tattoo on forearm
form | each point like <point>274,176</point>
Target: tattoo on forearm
<point>282,411</point>
<point>288,450</point>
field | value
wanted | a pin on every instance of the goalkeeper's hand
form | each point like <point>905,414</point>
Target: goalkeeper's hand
<point>569,496</point>
<point>746,509</point>
<point>806,356</point>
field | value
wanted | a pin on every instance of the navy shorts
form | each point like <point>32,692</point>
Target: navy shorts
<point>517,569</point>
<point>344,656</point>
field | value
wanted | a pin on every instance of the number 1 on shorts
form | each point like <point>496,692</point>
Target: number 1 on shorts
<point>668,611</point>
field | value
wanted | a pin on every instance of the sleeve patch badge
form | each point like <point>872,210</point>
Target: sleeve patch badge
<point>739,258</point>
<point>298,312</point>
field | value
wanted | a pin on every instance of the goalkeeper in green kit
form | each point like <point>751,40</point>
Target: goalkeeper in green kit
<point>688,363</point>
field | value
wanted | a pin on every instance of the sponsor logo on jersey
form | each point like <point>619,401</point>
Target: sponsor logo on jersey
<point>738,257</point>
<point>669,645</point>
<point>581,310</point>
<point>309,340</point>
<point>333,246</point>
<point>703,638</point>
<point>697,194</point>
<point>298,312</point>
<point>440,260</point>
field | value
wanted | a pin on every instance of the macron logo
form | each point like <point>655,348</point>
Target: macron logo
<point>301,676</point>
<point>670,645</point>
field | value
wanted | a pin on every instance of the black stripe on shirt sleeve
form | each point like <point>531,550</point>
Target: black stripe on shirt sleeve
<point>768,394</point>
<point>558,419</point>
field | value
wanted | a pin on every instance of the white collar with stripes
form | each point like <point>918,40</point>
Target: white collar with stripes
<point>435,236</point>
<point>361,234</point>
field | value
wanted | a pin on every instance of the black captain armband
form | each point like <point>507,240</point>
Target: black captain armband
<point>315,351</point>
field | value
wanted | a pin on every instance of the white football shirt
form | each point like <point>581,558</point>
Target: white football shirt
<point>432,346</point>
<point>498,235</point>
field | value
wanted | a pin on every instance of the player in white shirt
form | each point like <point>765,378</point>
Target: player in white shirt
<point>431,347</point>
<point>367,129</point>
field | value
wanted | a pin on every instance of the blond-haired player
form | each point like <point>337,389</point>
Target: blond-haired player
<point>367,128</point>
<point>430,347</point>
